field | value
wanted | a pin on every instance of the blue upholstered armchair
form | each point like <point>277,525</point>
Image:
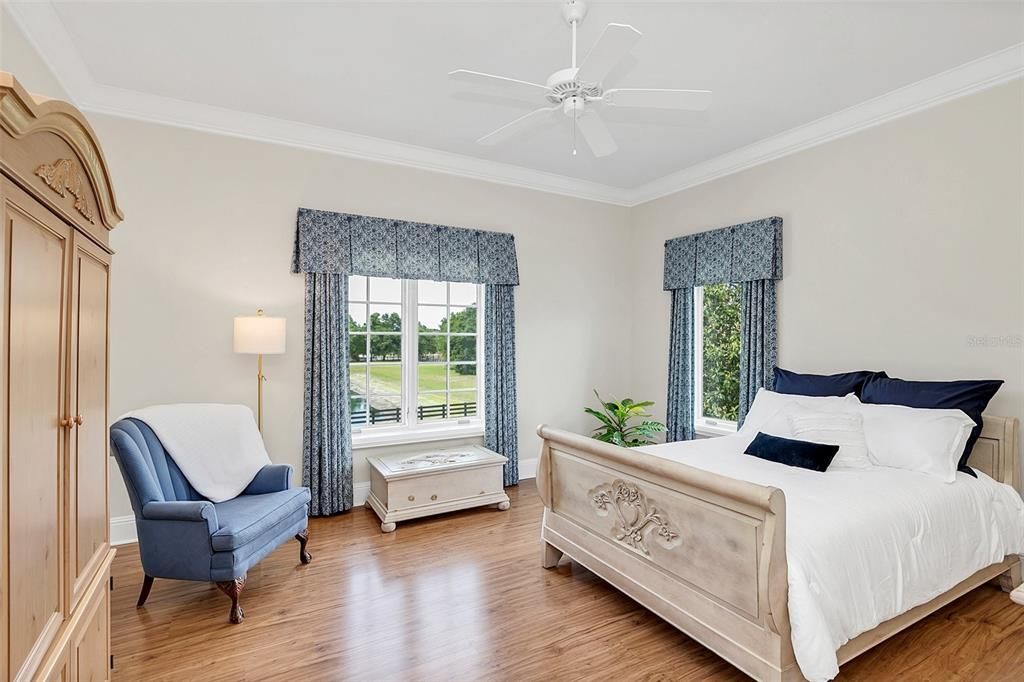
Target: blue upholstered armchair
<point>186,537</point>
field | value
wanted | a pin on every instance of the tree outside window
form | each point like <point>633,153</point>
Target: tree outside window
<point>721,352</point>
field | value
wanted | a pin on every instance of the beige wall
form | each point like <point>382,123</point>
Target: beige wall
<point>901,243</point>
<point>208,235</point>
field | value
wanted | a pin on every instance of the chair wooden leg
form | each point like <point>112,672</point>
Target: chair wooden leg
<point>233,588</point>
<point>303,537</point>
<point>147,585</point>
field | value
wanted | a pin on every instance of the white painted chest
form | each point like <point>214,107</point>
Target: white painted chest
<point>408,486</point>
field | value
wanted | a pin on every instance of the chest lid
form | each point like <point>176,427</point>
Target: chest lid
<point>431,461</point>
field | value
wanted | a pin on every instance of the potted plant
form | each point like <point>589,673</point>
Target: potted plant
<point>616,426</point>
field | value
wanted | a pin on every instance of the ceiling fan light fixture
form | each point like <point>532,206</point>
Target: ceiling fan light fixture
<point>573,106</point>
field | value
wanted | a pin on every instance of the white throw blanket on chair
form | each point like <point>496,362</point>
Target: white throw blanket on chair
<point>217,447</point>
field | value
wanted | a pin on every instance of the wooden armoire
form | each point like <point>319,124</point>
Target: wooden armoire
<point>55,554</point>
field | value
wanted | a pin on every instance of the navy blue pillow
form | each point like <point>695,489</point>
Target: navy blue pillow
<point>970,396</point>
<point>794,453</point>
<point>821,384</point>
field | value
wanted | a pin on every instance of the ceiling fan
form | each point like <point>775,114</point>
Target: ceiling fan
<point>578,91</point>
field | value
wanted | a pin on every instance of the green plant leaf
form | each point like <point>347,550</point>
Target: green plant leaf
<point>600,416</point>
<point>617,422</point>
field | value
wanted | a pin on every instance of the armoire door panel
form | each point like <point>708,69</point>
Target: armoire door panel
<point>60,674</point>
<point>88,526</point>
<point>90,656</point>
<point>38,258</point>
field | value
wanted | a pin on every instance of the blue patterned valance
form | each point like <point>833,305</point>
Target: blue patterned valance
<point>741,253</point>
<point>384,247</point>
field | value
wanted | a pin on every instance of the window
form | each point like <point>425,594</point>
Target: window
<point>375,350</point>
<point>414,360</point>
<point>716,324</point>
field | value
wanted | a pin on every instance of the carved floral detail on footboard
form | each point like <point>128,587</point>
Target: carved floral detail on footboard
<point>638,518</point>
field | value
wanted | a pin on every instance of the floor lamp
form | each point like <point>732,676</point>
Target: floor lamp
<point>259,335</point>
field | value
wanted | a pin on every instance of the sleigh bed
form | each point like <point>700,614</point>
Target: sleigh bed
<point>707,552</point>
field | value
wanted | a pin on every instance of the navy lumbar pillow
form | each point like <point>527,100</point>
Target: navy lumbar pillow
<point>794,453</point>
<point>819,385</point>
<point>970,396</point>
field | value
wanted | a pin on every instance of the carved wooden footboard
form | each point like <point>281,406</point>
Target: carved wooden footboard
<point>705,552</point>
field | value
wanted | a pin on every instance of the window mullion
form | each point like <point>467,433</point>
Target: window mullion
<point>480,351</point>
<point>698,352</point>
<point>409,352</point>
<point>448,350</point>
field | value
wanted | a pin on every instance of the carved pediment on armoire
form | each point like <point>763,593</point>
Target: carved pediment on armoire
<point>49,148</point>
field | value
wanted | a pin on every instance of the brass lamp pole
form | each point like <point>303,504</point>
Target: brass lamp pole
<point>259,335</point>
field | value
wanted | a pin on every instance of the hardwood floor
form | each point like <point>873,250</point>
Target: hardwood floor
<point>463,597</point>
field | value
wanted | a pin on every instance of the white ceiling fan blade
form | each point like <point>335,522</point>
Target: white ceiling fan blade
<point>522,123</point>
<point>596,134</point>
<point>615,43</point>
<point>652,98</point>
<point>501,84</point>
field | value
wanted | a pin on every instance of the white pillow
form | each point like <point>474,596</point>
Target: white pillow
<point>769,413</point>
<point>845,429</point>
<point>929,441</point>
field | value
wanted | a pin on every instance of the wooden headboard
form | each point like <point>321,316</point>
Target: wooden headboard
<point>996,452</point>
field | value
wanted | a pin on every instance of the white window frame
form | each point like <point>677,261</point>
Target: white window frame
<point>704,426</point>
<point>409,430</point>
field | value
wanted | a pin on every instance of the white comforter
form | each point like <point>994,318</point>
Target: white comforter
<point>865,546</point>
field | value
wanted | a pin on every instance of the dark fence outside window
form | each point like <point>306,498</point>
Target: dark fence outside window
<point>393,415</point>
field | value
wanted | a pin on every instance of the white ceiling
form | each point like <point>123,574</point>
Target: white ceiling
<point>379,68</point>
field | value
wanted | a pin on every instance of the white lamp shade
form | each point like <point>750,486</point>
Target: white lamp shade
<point>259,334</point>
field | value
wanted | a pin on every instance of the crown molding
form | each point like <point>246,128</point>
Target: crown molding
<point>46,33</point>
<point>202,117</point>
<point>980,74</point>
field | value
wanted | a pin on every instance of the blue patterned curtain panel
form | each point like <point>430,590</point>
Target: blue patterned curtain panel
<point>327,429</point>
<point>344,243</point>
<point>740,253</point>
<point>501,429</point>
<point>749,254</point>
<point>757,340</point>
<point>679,420</point>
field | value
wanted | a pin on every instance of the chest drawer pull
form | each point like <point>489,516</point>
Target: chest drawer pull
<point>412,498</point>
<point>433,497</point>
